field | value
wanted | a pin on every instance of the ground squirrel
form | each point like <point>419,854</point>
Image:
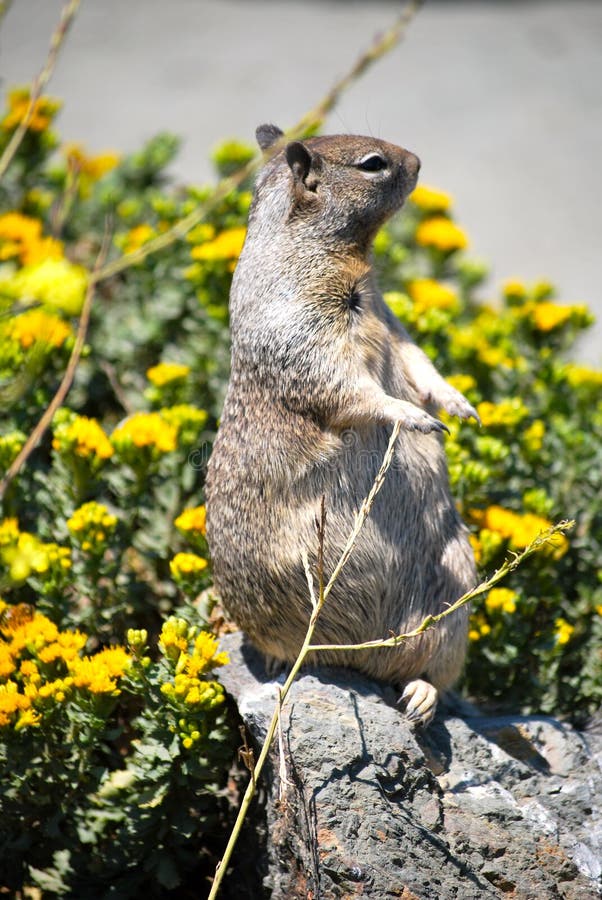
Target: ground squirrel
<point>320,371</point>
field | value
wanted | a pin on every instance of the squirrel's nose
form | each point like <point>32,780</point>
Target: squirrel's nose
<point>411,163</point>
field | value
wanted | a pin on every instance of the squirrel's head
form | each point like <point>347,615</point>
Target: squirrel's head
<point>345,185</point>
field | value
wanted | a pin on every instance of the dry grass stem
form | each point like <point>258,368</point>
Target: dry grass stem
<point>381,45</point>
<point>60,33</point>
<point>509,565</point>
<point>66,381</point>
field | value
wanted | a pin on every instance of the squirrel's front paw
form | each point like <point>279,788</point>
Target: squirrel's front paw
<point>414,418</point>
<point>453,402</point>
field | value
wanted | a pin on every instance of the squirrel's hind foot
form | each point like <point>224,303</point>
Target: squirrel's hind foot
<point>420,699</point>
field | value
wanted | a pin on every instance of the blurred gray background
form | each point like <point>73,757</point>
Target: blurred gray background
<point>501,100</point>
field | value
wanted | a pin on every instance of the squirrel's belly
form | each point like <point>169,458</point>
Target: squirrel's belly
<point>411,558</point>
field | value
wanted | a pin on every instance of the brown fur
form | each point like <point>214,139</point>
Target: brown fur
<point>320,371</point>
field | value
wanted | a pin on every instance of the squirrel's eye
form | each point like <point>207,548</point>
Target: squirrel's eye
<point>372,163</point>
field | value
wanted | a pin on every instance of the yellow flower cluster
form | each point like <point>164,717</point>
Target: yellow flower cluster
<point>136,237</point>
<point>227,245</point>
<point>430,294</point>
<point>578,376</point>
<point>183,565</point>
<point>23,554</point>
<point>188,420</point>
<point>547,316</point>
<point>41,667</point>
<point>193,656</point>
<point>21,237</point>
<point>37,327</point>
<point>479,627</point>
<point>505,414</point>
<point>148,430</point>
<point>166,373</point>
<point>192,520</point>
<point>534,435</point>
<point>56,283</point>
<point>90,167</point>
<point>44,110</point>
<point>91,524</point>
<point>442,234</point>
<point>502,599</point>
<point>520,529</point>
<point>83,437</point>
<point>564,631</point>
<point>430,199</point>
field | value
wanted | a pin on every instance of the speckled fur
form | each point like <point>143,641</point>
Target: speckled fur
<point>320,371</point>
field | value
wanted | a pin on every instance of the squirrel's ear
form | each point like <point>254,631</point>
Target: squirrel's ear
<point>299,159</point>
<point>267,135</point>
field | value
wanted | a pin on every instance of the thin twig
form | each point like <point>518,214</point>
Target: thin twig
<point>67,15</point>
<point>67,379</point>
<point>284,690</point>
<point>381,45</point>
<point>508,566</point>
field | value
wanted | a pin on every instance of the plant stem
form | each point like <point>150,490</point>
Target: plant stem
<point>63,388</point>
<point>67,15</point>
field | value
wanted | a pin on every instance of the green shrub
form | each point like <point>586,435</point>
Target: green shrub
<point>102,547</point>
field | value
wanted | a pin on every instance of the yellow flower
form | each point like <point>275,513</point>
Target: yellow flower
<point>11,702</point>
<point>44,110</point>
<point>66,647</point>
<point>138,236</point>
<point>533,436</point>
<point>582,375</point>
<point>92,167</point>
<point>167,372</point>
<point>26,556</point>
<point>91,524</point>
<point>564,631</point>
<point>501,598</point>
<point>28,719</point>
<point>184,564</point>
<point>507,413</point>
<point>441,234</point>
<point>145,430</point>
<point>22,236</point>
<point>227,245</point>
<point>82,436</point>
<point>9,534</point>
<point>175,635</point>
<point>100,673</point>
<point>37,326</point>
<point>430,294</point>
<point>57,283</point>
<point>519,529</point>
<point>477,547</point>
<point>431,199</point>
<point>514,289</point>
<point>192,519</point>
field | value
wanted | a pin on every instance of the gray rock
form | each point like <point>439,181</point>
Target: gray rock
<point>475,807</point>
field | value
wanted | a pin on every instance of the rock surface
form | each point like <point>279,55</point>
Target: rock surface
<point>475,807</point>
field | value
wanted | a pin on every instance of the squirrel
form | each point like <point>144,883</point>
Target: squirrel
<point>321,370</point>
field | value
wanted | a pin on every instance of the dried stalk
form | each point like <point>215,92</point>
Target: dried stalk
<point>67,379</point>
<point>317,607</point>
<point>60,33</point>
<point>542,540</point>
<point>380,46</point>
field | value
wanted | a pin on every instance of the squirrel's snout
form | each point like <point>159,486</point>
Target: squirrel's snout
<point>411,163</point>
